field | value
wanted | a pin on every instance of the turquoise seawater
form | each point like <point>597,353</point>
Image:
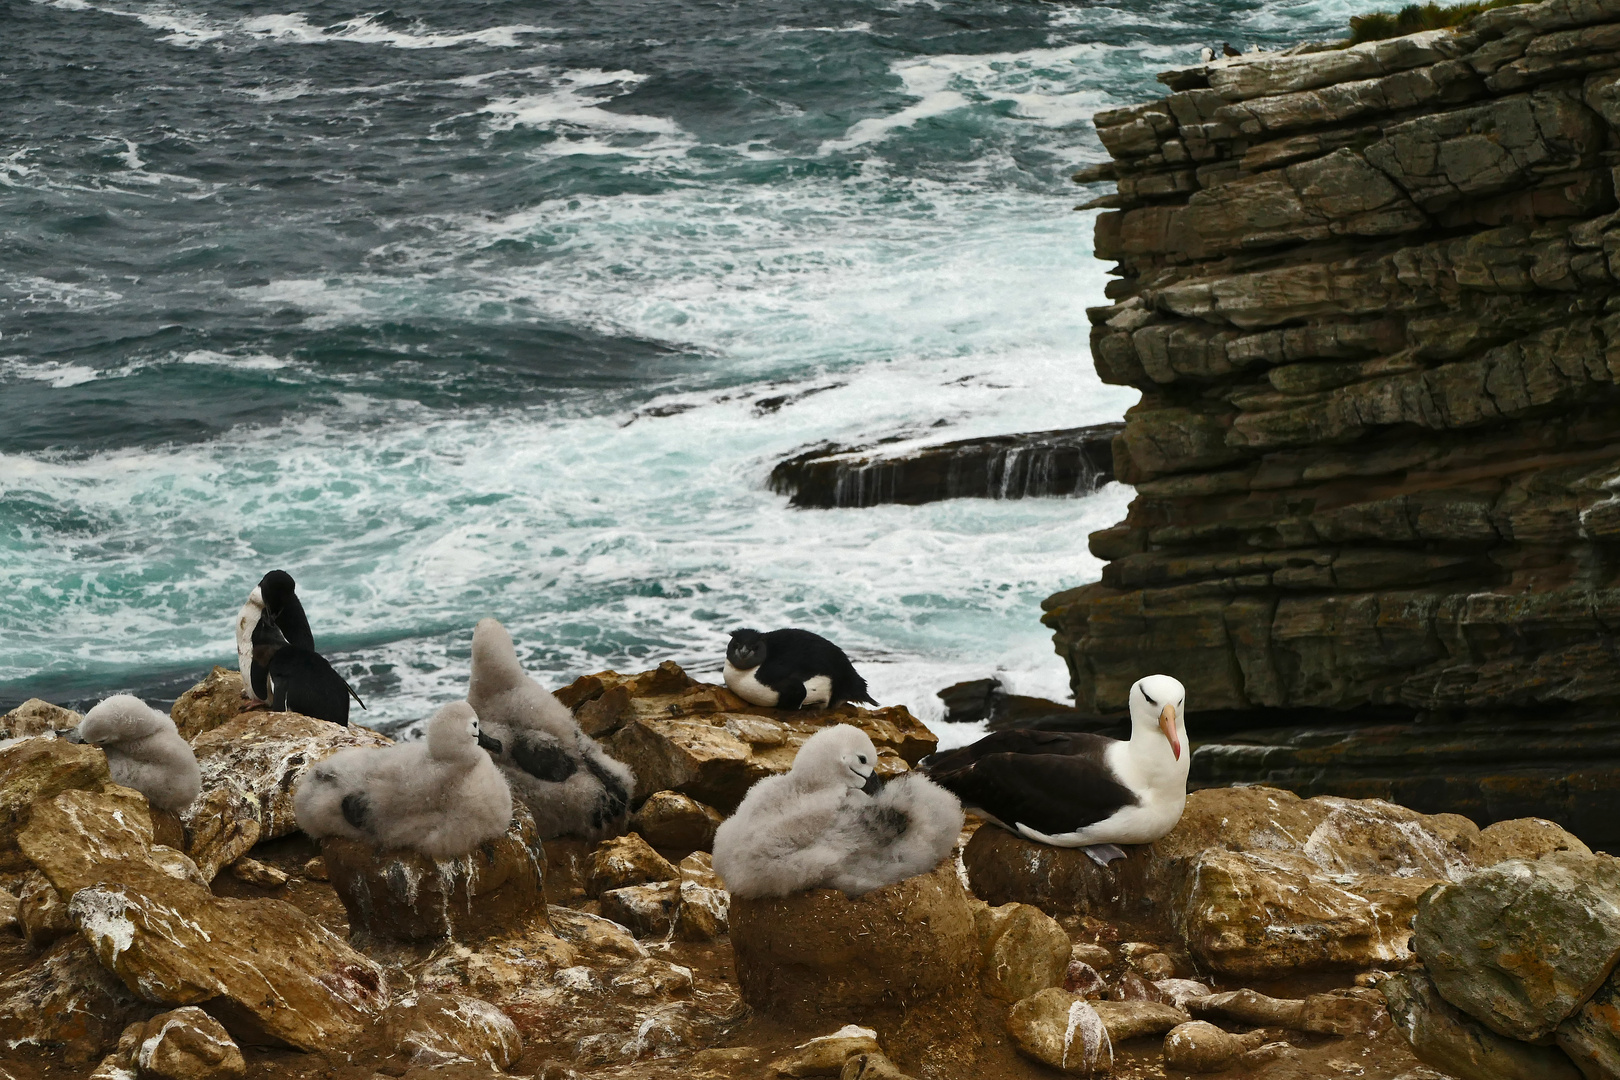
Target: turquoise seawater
<point>459,309</point>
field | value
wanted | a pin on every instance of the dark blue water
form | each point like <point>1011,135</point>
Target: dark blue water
<point>458,309</point>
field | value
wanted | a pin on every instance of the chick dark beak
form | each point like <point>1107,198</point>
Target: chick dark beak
<point>874,784</point>
<point>1167,724</point>
<point>72,735</point>
<point>492,745</point>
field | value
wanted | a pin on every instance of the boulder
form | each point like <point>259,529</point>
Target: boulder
<point>36,717</point>
<point>871,1067</point>
<point>1082,980</point>
<point>186,1044</point>
<point>825,1055</point>
<point>1095,955</point>
<point>648,910</point>
<point>675,823</point>
<point>1137,1019</point>
<point>41,912</point>
<point>1181,992</point>
<point>1523,838</point>
<point>266,970</point>
<point>1024,950</point>
<point>224,827</point>
<point>264,754</point>
<point>1341,1013</point>
<point>406,895</point>
<point>255,873</point>
<point>437,1030</point>
<point>1521,945</point>
<point>626,860</point>
<point>1201,1047</point>
<point>1058,1029</point>
<point>705,909</point>
<point>1457,1044</point>
<point>210,703</point>
<point>36,769</point>
<point>1591,1037</point>
<point>820,953</point>
<point>8,911</point>
<point>65,1001</point>
<point>1257,882</point>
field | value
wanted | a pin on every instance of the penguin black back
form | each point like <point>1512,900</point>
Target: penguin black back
<point>784,660</point>
<point>300,680</point>
<point>282,604</point>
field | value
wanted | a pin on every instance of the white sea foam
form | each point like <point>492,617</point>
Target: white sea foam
<point>573,107</point>
<point>295,28</point>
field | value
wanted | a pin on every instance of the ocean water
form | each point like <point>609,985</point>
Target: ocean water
<point>459,309</point>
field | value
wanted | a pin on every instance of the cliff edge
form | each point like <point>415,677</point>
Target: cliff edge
<point>1371,297</point>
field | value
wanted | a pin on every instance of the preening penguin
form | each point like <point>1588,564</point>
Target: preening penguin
<point>1075,789</point>
<point>791,669</point>
<point>831,823</point>
<point>272,598</point>
<point>565,778</point>
<point>441,796</point>
<point>144,751</point>
<point>300,680</point>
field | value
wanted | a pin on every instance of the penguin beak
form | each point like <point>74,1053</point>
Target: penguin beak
<point>492,745</point>
<point>1167,724</point>
<point>874,783</point>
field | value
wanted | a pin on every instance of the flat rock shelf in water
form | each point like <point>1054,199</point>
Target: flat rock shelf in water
<point>1076,461</point>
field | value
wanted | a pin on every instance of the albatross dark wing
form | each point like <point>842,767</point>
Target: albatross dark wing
<point>1053,782</point>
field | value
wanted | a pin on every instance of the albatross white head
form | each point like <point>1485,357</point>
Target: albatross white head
<point>1158,708</point>
<point>840,755</point>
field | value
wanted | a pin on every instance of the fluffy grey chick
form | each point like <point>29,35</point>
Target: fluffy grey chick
<point>144,751</point>
<point>441,796</point>
<point>562,775</point>
<point>831,823</point>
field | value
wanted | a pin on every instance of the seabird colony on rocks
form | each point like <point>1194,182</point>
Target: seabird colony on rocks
<point>565,778</point>
<point>441,796</point>
<point>144,751</point>
<point>1076,789</point>
<point>830,822</point>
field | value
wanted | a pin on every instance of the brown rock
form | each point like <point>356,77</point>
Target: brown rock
<point>1522,838</point>
<point>648,910</point>
<point>626,860</point>
<point>41,912</point>
<point>604,714</point>
<point>8,911</point>
<point>439,1030</point>
<point>1201,1047</point>
<point>1095,955</point>
<point>1135,1019</point>
<point>36,769</point>
<point>187,1044</point>
<point>871,1067</point>
<point>594,934</point>
<point>1180,992</point>
<point>254,872</point>
<point>820,953</point>
<point>269,972</point>
<point>315,869</point>
<point>264,754</point>
<point>1130,986</point>
<point>1320,1014</point>
<point>405,895</point>
<point>705,908</point>
<point>36,717</point>
<point>67,1002</point>
<point>1024,950</point>
<point>1063,1031</point>
<point>825,1055</point>
<point>676,823</point>
<point>1454,1042</point>
<point>210,703</point>
<point>1591,1036</point>
<point>1154,966</point>
<point>1082,980</point>
<point>224,827</point>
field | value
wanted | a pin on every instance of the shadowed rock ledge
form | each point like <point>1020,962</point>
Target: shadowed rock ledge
<point>1074,461</point>
<point>1370,298</point>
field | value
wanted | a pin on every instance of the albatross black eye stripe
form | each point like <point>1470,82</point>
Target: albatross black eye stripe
<point>1150,700</point>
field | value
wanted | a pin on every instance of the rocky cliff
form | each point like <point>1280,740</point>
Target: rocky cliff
<point>1369,295</point>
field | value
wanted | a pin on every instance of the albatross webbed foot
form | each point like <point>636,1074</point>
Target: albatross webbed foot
<point>1103,854</point>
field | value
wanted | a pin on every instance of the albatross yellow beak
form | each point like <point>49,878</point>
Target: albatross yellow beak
<point>1167,724</point>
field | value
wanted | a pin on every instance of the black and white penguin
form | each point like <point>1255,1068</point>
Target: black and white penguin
<point>791,669</point>
<point>1076,789</point>
<point>298,679</point>
<point>272,598</point>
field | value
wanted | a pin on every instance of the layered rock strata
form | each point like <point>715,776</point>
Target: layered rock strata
<point>1075,461</point>
<point>1370,298</point>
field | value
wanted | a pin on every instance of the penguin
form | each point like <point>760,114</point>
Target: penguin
<point>1228,50</point>
<point>441,796</point>
<point>144,751</point>
<point>791,669</point>
<point>1076,789</point>
<point>1206,55</point>
<point>565,778</point>
<point>830,822</point>
<point>299,679</point>
<point>272,597</point>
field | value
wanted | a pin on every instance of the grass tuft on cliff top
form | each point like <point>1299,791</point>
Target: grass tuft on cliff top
<point>1415,17</point>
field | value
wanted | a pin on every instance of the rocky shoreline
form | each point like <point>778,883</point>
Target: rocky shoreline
<point>1266,936</point>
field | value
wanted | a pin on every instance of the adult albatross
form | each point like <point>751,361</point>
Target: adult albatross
<point>1076,789</point>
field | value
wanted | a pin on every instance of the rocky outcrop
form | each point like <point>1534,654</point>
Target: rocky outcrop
<point>36,717</point>
<point>1076,461</point>
<point>1366,294</point>
<point>1258,883</point>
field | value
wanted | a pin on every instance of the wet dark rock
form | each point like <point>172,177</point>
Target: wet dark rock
<point>1043,463</point>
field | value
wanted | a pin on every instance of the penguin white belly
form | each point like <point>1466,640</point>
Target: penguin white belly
<point>817,691</point>
<point>246,622</point>
<point>750,689</point>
